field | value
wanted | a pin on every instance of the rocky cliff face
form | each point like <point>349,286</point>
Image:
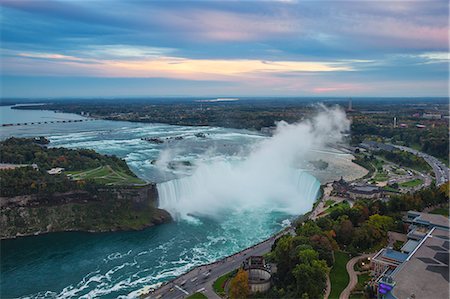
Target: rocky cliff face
<point>103,209</point>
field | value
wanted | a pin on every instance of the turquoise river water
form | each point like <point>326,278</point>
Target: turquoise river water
<point>110,265</point>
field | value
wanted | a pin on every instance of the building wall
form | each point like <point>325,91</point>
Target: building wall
<point>259,280</point>
<point>354,195</point>
<point>260,287</point>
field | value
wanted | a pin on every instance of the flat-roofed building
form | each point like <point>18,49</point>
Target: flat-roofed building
<point>425,274</point>
<point>421,268</point>
<point>387,259</point>
<point>427,220</point>
<point>367,192</point>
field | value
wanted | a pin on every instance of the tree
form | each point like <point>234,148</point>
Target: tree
<point>382,223</point>
<point>239,285</point>
<point>284,254</point>
<point>324,247</point>
<point>344,231</point>
<point>310,275</point>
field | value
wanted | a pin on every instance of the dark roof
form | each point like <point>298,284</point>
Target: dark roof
<point>426,272</point>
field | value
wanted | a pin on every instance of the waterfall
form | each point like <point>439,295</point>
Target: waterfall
<point>221,189</point>
<point>265,180</point>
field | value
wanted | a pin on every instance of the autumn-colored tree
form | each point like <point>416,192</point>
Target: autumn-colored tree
<point>239,288</point>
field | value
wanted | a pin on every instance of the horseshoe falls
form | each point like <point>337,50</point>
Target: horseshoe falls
<point>220,190</point>
<point>227,191</point>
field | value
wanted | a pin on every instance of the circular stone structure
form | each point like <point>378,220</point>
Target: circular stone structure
<point>259,275</point>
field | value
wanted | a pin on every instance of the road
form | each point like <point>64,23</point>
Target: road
<point>353,275</point>
<point>201,279</point>
<point>441,171</point>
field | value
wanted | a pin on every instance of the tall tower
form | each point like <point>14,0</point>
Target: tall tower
<point>395,122</point>
<point>350,104</point>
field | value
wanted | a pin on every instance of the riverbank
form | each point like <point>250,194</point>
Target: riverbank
<point>201,278</point>
<point>116,264</point>
<point>105,210</point>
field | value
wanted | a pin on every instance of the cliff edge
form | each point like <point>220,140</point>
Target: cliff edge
<point>100,210</point>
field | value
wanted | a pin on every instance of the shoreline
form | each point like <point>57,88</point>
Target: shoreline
<point>145,291</point>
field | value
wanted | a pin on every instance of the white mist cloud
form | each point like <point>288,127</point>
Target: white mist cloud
<point>266,178</point>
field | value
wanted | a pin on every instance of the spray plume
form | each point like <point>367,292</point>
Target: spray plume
<point>266,179</point>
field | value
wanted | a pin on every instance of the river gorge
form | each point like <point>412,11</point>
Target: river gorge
<point>226,189</point>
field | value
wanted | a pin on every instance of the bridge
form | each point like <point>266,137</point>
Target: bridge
<point>48,122</point>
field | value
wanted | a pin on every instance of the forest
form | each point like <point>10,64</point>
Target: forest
<point>29,152</point>
<point>304,260</point>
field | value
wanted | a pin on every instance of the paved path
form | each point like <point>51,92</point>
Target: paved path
<point>353,275</point>
<point>328,289</point>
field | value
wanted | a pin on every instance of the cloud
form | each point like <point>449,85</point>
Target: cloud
<point>337,88</point>
<point>315,47</point>
<point>435,57</point>
<point>163,66</point>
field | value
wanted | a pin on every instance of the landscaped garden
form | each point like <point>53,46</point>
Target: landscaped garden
<point>338,275</point>
<point>412,183</point>
<point>197,296</point>
<point>219,284</point>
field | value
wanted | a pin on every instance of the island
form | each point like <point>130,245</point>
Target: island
<point>46,189</point>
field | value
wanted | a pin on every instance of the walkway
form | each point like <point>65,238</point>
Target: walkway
<point>353,275</point>
<point>328,289</point>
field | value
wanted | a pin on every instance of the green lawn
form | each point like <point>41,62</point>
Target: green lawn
<point>412,183</point>
<point>338,276</point>
<point>329,202</point>
<point>399,171</point>
<point>197,296</point>
<point>219,284</point>
<point>441,211</point>
<point>357,296</point>
<point>390,189</point>
<point>362,280</point>
<point>106,175</point>
<point>381,176</point>
<point>358,291</point>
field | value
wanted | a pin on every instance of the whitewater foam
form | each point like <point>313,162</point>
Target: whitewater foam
<point>265,178</point>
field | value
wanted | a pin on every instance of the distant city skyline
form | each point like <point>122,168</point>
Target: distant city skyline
<point>114,48</point>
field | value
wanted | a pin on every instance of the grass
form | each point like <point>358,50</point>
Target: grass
<point>362,280</point>
<point>358,291</point>
<point>390,189</point>
<point>441,211</point>
<point>381,176</point>
<point>106,175</point>
<point>399,171</point>
<point>357,296</point>
<point>197,296</point>
<point>219,284</point>
<point>412,183</point>
<point>338,275</point>
<point>329,202</point>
